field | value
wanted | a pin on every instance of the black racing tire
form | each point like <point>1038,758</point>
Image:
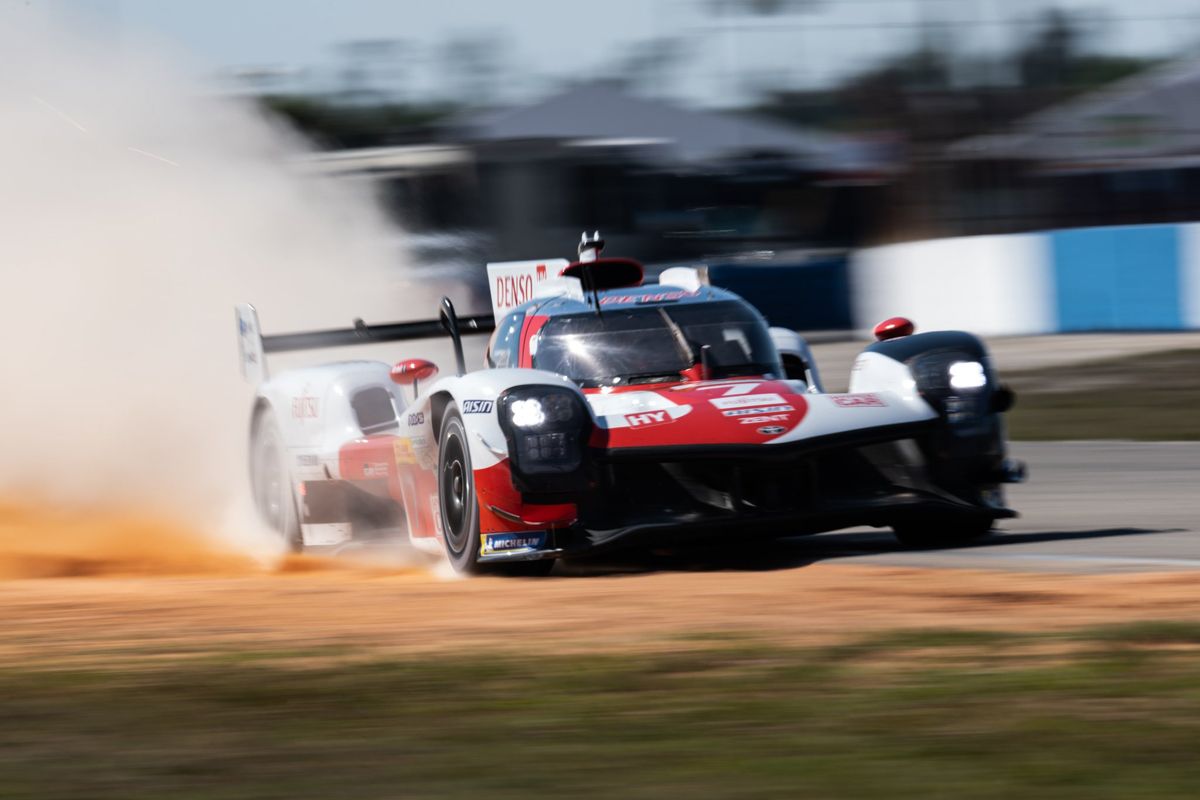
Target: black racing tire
<point>459,507</point>
<point>934,533</point>
<point>457,502</point>
<point>270,480</point>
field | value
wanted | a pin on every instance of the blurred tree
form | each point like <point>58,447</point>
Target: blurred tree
<point>1046,60</point>
<point>335,125</point>
<point>374,71</point>
<point>651,65</point>
<point>760,8</point>
<point>1059,61</point>
<point>474,66</point>
<point>934,94</point>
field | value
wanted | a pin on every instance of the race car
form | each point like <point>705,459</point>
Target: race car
<point>611,412</point>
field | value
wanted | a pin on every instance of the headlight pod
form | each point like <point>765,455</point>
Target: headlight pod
<point>546,428</point>
<point>942,373</point>
<point>955,383</point>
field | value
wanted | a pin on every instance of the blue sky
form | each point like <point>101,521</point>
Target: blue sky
<point>548,41</point>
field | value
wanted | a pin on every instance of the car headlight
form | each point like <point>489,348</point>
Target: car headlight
<point>546,428</point>
<point>527,413</point>
<point>955,383</point>
<point>967,375</point>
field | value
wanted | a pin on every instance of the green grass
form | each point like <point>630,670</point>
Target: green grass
<point>1108,713</point>
<point>1153,397</point>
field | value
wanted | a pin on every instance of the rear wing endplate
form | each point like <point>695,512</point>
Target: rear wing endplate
<point>254,346</point>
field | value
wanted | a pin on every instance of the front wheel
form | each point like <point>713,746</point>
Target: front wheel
<point>929,533</point>
<point>456,495</point>
<point>459,507</point>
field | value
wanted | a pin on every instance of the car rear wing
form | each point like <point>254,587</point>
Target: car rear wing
<point>253,346</point>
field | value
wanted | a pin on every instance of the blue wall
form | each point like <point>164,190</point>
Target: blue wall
<point>1125,278</point>
<point>812,296</point>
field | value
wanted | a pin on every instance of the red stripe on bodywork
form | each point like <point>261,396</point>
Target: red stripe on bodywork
<point>532,327</point>
<point>371,458</point>
<point>706,423</point>
<point>494,487</point>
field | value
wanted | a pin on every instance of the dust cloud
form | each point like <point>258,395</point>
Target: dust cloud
<point>135,209</point>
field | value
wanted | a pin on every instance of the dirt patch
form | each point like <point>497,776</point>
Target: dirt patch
<point>41,541</point>
<point>374,612</point>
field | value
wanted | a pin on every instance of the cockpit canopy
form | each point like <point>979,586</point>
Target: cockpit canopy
<point>656,344</point>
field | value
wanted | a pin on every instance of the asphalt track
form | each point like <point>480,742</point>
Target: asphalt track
<point>1088,507</point>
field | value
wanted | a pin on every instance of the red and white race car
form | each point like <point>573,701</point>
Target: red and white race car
<point>612,413</point>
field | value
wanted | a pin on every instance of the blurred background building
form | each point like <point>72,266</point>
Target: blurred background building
<point>749,132</point>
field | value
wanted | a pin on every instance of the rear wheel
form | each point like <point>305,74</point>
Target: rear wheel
<point>270,481</point>
<point>920,533</point>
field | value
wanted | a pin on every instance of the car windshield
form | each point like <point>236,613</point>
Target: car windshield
<point>656,344</point>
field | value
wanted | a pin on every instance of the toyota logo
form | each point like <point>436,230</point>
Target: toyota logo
<point>771,430</point>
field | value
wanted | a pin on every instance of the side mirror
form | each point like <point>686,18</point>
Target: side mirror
<point>413,370</point>
<point>894,328</point>
<point>1003,399</point>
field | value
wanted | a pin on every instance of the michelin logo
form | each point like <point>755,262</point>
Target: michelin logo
<point>511,542</point>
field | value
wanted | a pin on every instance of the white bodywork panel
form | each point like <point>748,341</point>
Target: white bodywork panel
<point>313,410</point>
<point>875,372</point>
<point>512,283</point>
<point>469,392</point>
<point>690,279</point>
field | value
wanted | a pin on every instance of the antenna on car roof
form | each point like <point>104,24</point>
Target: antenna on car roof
<point>589,250</point>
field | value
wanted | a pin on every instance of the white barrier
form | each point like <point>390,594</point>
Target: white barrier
<point>1189,274</point>
<point>992,285</point>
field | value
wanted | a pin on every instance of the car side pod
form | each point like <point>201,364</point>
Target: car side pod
<point>894,328</point>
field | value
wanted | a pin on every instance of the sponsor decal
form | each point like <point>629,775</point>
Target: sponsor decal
<point>647,418</point>
<point>514,282</point>
<point>417,418</point>
<point>513,290</point>
<point>659,297</point>
<point>511,542</point>
<point>731,387</point>
<point>308,460</point>
<point>402,450</point>
<point>771,430</point>
<point>743,412</point>
<point>763,418</point>
<point>747,401</point>
<point>477,406</point>
<point>857,400</point>
<point>424,452</point>
<point>377,469</point>
<point>305,407</point>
